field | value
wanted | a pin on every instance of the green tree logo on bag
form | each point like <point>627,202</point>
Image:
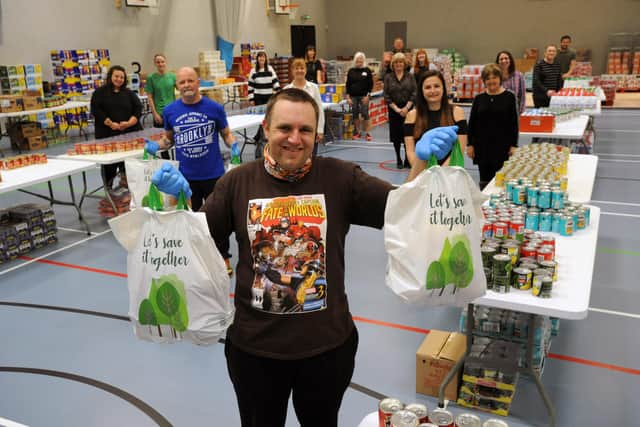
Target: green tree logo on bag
<point>455,266</point>
<point>166,305</point>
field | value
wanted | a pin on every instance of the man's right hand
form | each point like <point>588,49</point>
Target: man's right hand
<point>152,147</point>
<point>169,180</point>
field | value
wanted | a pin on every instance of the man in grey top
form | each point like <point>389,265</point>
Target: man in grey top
<point>566,57</point>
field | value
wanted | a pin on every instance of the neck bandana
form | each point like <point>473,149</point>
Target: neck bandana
<point>277,171</point>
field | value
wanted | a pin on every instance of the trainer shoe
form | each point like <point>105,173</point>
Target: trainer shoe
<point>356,136</point>
<point>368,137</point>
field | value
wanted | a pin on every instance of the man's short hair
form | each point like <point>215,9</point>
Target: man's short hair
<point>292,95</point>
<point>565,37</point>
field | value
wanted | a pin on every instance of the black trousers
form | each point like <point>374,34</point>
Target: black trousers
<point>317,383</point>
<point>200,190</point>
<point>396,132</point>
<point>488,168</point>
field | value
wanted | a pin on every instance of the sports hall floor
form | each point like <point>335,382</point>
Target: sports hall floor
<point>68,356</point>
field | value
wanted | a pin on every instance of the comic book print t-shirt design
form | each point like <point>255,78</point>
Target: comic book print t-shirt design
<point>287,236</point>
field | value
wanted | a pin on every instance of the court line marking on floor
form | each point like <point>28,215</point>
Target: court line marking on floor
<point>617,155</point>
<point>64,248</point>
<point>620,214</point>
<point>74,230</point>
<point>615,203</point>
<point>615,313</point>
<point>619,161</point>
<point>617,251</point>
<point>595,364</point>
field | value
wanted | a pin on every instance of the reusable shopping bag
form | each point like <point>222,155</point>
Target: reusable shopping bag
<point>178,282</point>
<point>139,173</point>
<point>432,236</point>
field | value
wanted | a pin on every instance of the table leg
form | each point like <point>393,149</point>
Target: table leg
<point>535,375</point>
<point>106,191</point>
<point>50,193</point>
<point>454,370</point>
<point>84,189</point>
<point>75,205</point>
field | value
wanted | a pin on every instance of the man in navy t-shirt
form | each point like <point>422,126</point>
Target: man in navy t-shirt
<point>192,124</point>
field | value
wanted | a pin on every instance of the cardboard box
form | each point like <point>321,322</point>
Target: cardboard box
<point>30,129</point>
<point>537,123</point>
<point>32,103</point>
<point>435,357</point>
<point>35,143</point>
<point>10,103</point>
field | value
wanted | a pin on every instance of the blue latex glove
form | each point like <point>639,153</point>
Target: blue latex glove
<point>437,141</point>
<point>169,180</point>
<point>152,147</point>
<point>235,150</point>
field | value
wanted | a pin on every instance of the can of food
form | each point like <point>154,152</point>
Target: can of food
<point>493,200</point>
<point>521,278</point>
<point>386,408</point>
<point>532,219</point>
<point>487,229</point>
<point>487,255</point>
<point>556,220</point>
<point>500,230</point>
<point>441,417</point>
<point>509,187</point>
<point>544,254</point>
<point>549,240</point>
<point>544,198</point>
<point>566,225</point>
<point>420,410</point>
<point>519,195</point>
<point>528,251</point>
<point>581,224</point>
<point>427,425</point>
<point>557,199</point>
<point>532,196</point>
<point>551,267</point>
<point>516,228</point>
<point>542,284</point>
<point>494,423</point>
<point>511,248</point>
<point>501,273</point>
<point>587,215</point>
<point>500,178</point>
<point>564,183</point>
<point>468,420</point>
<point>404,418</point>
<point>545,222</point>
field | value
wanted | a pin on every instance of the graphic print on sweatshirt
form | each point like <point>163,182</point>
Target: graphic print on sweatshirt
<point>194,135</point>
<point>288,246</point>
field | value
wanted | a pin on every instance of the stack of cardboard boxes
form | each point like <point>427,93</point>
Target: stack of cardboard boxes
<point>618,62</point>
<point>16,79</point>
<point>79,71</point>
<point>468,82</point>
<point>24,228</point>
<point>27,136</point>
<point>211,66</point>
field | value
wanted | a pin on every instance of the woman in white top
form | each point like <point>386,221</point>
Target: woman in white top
<point>299,68</point>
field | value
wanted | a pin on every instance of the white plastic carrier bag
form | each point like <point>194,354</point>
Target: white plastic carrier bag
<point>178,282</point>
<point>432,235</point>
<point>139,173</point>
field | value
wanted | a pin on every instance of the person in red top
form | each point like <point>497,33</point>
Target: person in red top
<point>293,334</point>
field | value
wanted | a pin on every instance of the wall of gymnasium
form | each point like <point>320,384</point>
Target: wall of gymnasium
<point>479,29</point>
<point>29,29</point>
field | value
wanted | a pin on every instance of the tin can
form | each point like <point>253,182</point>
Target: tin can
<point>487,255</point>
<point>494,423</point>
<point>532,196</point>
<point>516,229</point>
<point>531,221</point>
<point>544,198</point>
<point>581,224</point>
<point>528,251</point>
<point>468,420</point>
<point>500,230</point>
<point>427,425</point>
<point>529,265</point>
<point>555,222</point>
<point>544,254</point>
<point>551,267</point>
<point>500,178</point>
<point>566,225</point>
<point>519,195</point>
<point>549,240</point>
<point>493,200</point>
<point>511,248</point>
<point>501,273</point>
<point>541,284</point>
<point>587,215</point>
<point>564,183</point>
<point>557,199</point>
<point>509,187</point>
<point>420,410</point>
<point>487,229</point>
<point>386,408</point>
<point>404,418</point>
<point>521,278</point>
<point>550,247</point>
<point>546,221</point>
<point>441,418</point>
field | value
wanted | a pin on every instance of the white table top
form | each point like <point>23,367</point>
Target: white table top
<point>30,175</point>
<point>242,121</point>
<point>104,159</point>
<point>571,292</point>
<point>66,106</point>
<point>581,175</point>
<point>570,129</point>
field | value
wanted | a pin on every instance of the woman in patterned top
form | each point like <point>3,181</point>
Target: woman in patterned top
<point>512,79</point>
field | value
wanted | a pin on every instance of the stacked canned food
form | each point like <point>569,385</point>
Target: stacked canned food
<point>393,413</point>
<point>542,208</point>
<point>514,257</point>
<point>537,163</point>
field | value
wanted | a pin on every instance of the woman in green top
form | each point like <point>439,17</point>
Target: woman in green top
<point>160,90</point>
